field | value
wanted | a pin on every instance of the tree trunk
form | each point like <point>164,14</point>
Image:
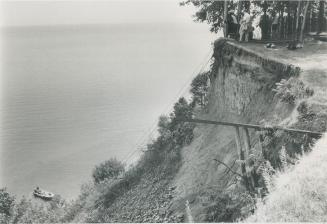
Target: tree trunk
<point>239,9</point>
<point>310,20</point>
<point>304,20</point>
<point>225,18</point>
<point>281,24</point>
<point>288,29</point>
<point>298,11</point>
<point>321,16</point>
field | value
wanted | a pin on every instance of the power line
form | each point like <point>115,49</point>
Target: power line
<point>181,92</point>
<point>169,105</point>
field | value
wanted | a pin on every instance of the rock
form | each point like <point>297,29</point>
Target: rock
<point>180,218</point>
<point>162,212</point>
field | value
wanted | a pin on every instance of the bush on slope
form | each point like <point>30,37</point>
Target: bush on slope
<point>300,194</point>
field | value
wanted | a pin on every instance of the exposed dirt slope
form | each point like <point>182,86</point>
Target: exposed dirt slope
<point>242,80</point>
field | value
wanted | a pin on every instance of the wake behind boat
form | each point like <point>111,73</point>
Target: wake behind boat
<point>45,195</point>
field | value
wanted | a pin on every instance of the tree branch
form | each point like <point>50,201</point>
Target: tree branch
<point>230,169</point>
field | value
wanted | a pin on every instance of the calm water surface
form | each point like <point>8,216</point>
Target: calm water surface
<point>74,96</point>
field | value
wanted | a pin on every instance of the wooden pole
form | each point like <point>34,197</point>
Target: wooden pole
<point>263,151</point>
<point>241,157</point>
<point>247,141</point>
<point>254,126</point>
<point>248,149</point>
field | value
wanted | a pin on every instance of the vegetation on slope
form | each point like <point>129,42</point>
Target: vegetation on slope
<point>144,192</point>
<point>299,194</point>
<point>140,194</point>
<point>292,96</point>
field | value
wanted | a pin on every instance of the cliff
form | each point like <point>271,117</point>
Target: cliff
<point>242,82</point>
<point>190,183</point>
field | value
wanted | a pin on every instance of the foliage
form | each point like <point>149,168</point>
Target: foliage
<point>266,171</point>
<point>230,206</point>
<point>27,211</point>
<point>162,158</point>
<point>311,119</point>
<point>291,90</point>
<point>182,132</point>
<point>211,12</point>
<point>7,203</point>
<point>300,193</point>
<point>199,89</point>
<point>162,155</point>
<point>108,170</point>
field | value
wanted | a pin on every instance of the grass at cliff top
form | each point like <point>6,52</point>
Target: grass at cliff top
<point>310,51</point>
<point>300,195</point>
<point>311,59</point>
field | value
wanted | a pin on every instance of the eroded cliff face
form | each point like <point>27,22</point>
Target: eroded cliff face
<point>241,91</point>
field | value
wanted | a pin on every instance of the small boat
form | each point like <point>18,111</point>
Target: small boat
<point>45,195</point>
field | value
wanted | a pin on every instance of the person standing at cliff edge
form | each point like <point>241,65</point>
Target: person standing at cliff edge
<point>232,24</point>
<point>264,25</point>
<point>245,26</point>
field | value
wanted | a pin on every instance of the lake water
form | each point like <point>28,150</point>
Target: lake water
<point>74,96</point>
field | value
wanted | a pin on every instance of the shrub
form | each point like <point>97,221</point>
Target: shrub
<point>6,202</point>
<point>108,169</point>
<point>291,90</point>
<point>162,158</point>
<point>182,131</point>
<point>230,207</point>
<point>300,193</point>
<point>199,89</point>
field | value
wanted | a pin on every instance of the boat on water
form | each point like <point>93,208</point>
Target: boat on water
<point>45,195</point>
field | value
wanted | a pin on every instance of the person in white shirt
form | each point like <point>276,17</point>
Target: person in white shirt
<point>245,26</point>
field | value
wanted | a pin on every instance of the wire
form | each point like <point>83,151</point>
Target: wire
<point>180,93</point>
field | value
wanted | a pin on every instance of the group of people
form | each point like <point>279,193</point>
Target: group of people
<point>269,25</point>
<point>241,27</point>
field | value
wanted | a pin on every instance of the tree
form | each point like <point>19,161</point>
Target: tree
<point>182,132</point>
<point>321,18</point>
<point>6,202</point>
<point>108,170</point>
<point>304,20</point>
<point>199,88</point>
<point>182,110</point>
<point>211,12</point>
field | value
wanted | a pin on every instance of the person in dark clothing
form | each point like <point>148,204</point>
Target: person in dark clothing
<point>232,24</point>
<point>274,25</point>
<point>264,26</point>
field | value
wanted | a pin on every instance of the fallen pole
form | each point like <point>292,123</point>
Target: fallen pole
<point>254,126</point>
